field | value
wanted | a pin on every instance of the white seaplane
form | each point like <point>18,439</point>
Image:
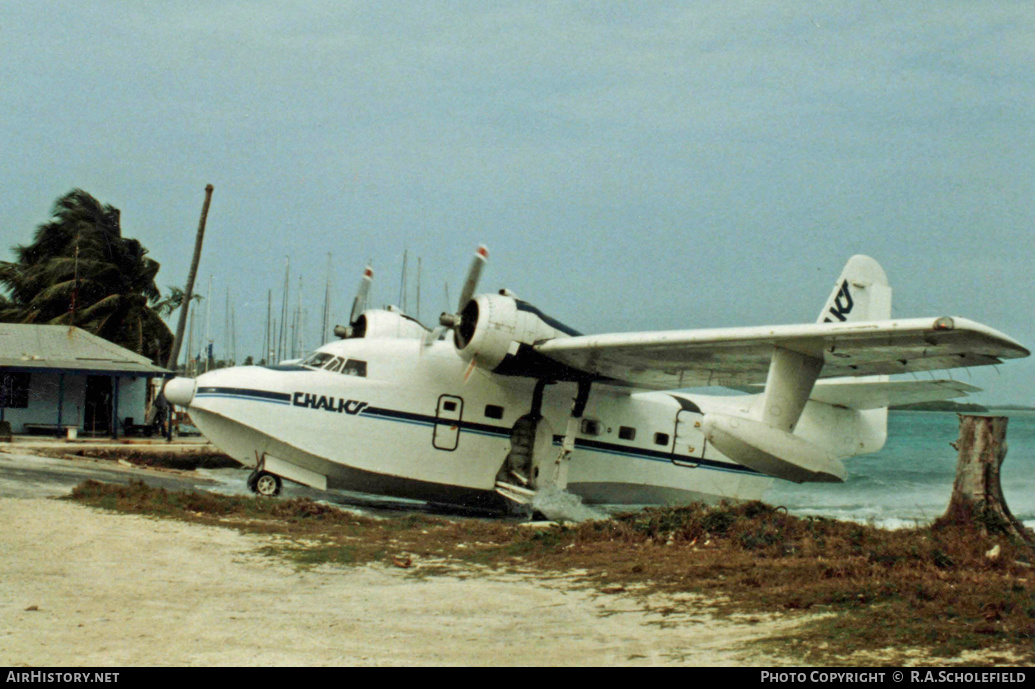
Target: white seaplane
<point>515,402</point>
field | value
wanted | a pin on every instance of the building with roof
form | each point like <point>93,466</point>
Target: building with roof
<point>55,377</point>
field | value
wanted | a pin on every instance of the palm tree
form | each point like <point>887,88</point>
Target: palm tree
<point>81,271</point>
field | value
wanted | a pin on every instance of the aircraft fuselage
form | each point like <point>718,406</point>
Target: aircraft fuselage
<point>402,420</point>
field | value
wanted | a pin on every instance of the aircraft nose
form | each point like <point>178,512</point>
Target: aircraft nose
<point>180,391</point>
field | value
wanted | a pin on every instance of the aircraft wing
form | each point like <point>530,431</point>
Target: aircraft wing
<point>666,360</point>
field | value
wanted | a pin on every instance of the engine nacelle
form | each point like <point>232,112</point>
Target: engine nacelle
<point>497,332</point>
<point>771,450</point>
<point>382,323</point>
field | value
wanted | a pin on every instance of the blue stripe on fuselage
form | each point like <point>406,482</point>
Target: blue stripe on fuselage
<point>245,393</point>
<point>483,429</point>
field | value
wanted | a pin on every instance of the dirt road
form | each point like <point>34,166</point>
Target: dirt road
<point>80,586</point>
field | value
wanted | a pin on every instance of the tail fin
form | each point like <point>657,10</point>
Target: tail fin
<point>861,293</point>
<point>769,439</point>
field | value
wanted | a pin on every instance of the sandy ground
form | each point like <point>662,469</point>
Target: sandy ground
<point>80,586</point>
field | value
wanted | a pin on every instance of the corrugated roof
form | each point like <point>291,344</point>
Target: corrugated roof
<point>61,347</point>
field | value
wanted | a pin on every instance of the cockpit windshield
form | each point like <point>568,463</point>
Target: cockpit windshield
<point>335,364</point>
<point>318,359</point>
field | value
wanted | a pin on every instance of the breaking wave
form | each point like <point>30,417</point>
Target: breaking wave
<point>560,505</point>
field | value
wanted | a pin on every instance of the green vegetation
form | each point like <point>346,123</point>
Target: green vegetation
<point>81,271</point>
<point>935,591</point>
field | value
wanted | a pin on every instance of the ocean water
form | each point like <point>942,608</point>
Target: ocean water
<point>909,482</point>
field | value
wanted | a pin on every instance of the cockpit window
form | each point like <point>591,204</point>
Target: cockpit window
<point>335,364</point>
<point>355,367</point>
<point>317,359</point>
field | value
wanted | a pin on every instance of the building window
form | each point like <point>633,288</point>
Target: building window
<point>14,390</point>
<point>626,433</point>
<point>661,438</point>
<point>493,411</point>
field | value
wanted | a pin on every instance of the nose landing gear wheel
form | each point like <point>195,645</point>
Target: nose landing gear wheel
<point>265,484</point>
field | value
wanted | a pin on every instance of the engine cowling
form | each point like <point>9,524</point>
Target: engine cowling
<point>382,323</point>
<point>497,333</point>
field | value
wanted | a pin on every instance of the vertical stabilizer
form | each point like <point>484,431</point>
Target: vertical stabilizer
<point>861,293</point>
<point>768,439</point>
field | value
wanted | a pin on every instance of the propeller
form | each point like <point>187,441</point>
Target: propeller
<point>452,321</point>
<point>359,304</point>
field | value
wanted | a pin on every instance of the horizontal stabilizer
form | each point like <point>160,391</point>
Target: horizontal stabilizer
<point>871,394</point>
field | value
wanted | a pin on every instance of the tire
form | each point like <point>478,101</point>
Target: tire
<point>267,485</point>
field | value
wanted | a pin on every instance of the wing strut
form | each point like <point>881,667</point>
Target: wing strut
<point>765,440</point>
<point>788,386</point>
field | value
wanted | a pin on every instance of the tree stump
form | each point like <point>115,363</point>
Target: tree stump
<point>977,495</point>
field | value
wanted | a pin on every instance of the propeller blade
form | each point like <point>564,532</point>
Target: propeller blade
<point>432,335</point>
<point>359,304</point>
<point>473,274</point>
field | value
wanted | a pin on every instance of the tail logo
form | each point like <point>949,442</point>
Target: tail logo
<point>843,304</point>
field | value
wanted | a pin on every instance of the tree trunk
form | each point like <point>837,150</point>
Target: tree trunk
<point>174,353</point>
<point>977,495</point>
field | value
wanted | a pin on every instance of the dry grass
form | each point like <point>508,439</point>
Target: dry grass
<point>934,589</point>
<point>149,457</point>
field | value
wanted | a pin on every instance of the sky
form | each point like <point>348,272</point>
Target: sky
<point>630,166</point>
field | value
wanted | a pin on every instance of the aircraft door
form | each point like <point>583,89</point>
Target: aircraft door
<point>689,442</point>
<point>447,422</point>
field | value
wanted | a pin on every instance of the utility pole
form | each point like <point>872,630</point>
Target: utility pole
<point>181,325</point>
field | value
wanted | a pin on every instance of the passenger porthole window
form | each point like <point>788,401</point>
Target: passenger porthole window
<point>590,427</point>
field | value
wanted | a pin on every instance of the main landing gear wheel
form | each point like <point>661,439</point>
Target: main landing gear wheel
<point>264,483</point>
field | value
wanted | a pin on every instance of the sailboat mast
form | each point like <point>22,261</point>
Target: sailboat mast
<point>326,303</point>
<point>282,336</point>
